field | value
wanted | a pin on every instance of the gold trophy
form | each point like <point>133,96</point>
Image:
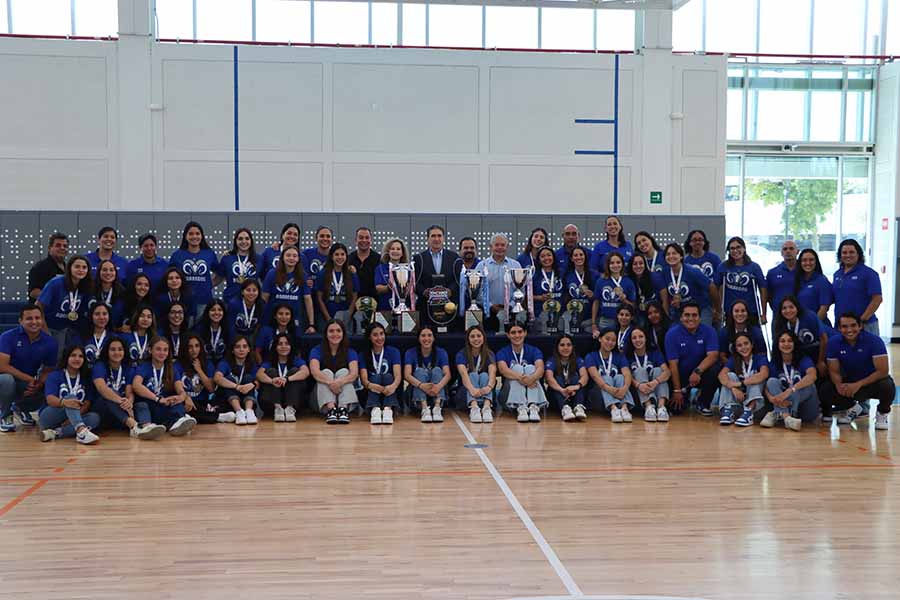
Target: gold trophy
<point>366,306</point>
<point>552,309</point>
<point>574,310</point>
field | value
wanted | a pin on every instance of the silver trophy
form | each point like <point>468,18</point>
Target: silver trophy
<point>519,309</point>
<point>403,276</point>
<point>474,314</point>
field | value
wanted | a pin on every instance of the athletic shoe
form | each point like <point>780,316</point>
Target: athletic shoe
<point>769,420</point>
<point>182,426</point>
<point>7,425</point>
<point>726,416</point>
<point>626,414</point>
<point>343,416</point>
<point>580,413</point>
<point>746,418</point>
<point>882,420</point>
<point>426,415</point>
<point>616,414</point>
<point>150,431</point>
<point>228,417</point>
<point>705,411</point>
<point>251,417</point>
<point>279,414</point>
<point>48,435</point>
<point>25,418</point>
<point>375,416</point>
<point>475,414</point>
<point>332,417</point>
<point>487,415</point>
<point>534,414</point>
<point>842,418</point>
<point>662,415</point>
<point>567,413</point>
<point>792,423</point>
<point>864,412</point>
<point>86,436</point>
<point>853,412</point>
<point>436,415</point>
<point>523,414</point>
<point>290,415</point>
<point>240,417</point>
<point>387,416</point>
<point>826,419</point>
<point>650,414</point>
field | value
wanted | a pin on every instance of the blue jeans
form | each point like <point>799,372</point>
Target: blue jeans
<point>374,400</point>
<point>610,400</point>
<point>52,417</point>
<point>141,412</point>
<point>751,394</point>
<point>574,400</point>
<point>12,391</point>
<point>479,380</point>
<point>165,415</point>
<point>804,402</point>
<point>519,395</point>
<point>661,391</point>
<point>433,375</point>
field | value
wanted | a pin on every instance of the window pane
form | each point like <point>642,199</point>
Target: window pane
<point>46,17</point>
<point>784,26</point>
<point>567,28</point>
<point>174,19</point>
<point>4,16</point>
<point>825,117</point>
<point>99,18</point>
<point>873,32</point>
<point>224,20</point>
<point>780,115</point>
<point>282,21</point>
<point>452,25</point>
<point>687,27</point>
<point>341,23</point>
<point>511,27</point>
<point>838,26</point>
<point>732,198</point>
<point>735,102</point>
<point>413,24</point>
<point>729,25</point>
<point>384,23</point>
<point>615,30</point>
<point>856,200</point>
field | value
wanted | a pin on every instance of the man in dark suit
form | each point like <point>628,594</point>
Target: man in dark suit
<point>434,267</point>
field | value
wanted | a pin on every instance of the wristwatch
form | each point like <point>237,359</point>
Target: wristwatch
<point>698,371</point>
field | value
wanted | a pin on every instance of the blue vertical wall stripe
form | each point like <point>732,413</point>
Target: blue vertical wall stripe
<point>237,174</point>
<point>616,140</point>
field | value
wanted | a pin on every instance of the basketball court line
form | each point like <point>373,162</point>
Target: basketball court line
<point>15,501</point>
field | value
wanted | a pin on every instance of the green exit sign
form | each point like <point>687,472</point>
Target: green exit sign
<point>655,197</point>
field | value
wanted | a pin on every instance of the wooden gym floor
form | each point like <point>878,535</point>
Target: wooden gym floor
<point>549,510</point>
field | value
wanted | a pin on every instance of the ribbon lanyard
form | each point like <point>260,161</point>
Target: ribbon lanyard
<point>478,364</point>
<point>176,343</point>
<point>565,373</point>
<point>621,338</point>
<point>676,282</point>
<point>519,359</point>
<point>107,300</point>
<point>617,281</point>
<point>645,364</point>
<point>248,315</point>
<point>241,376</point>
<point>141,347</point>
<point>158,378</point>
<point>117,382</point>
<point>550,281</point>
<point>377,362</point>
<point>789,371</point>
<point>215,336</point>
<point>174,298</point>
<point>653,262</point>
<point>338,283</point>
<point>243,265</point>
<point>748,367</point>
<point>73,386</point>
<point>795,328</point>
<point>606,367</point>
<point>73,300</point>
<point>580,278</point>
<point>283,370</point>
<point>99,343</point>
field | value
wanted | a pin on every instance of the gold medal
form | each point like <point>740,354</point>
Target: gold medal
<point>73,316</point>
<point>241,279</point>
<point>618,291</point>
<point>677,299</point>
<point>584,290</point>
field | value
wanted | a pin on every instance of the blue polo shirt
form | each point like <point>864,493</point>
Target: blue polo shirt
<point>857,360</point>
<point>755,332</point>
<point>815,292</point>
<point>799,368</point>
<point>154,271</point>
<point>27,356</point>
<point>694,285</point>
<point>391,357</point>
<point>604,292</point>
<point>780,283</point>
<point>120,261</point>
<point>530,356</point>
<point>738,283</point>
<point>708,263</point>
<point>597,257</point>
<point>854,289</point>
<point>231,269</point>
<point>619,363</point>
<point>690,349</point>
<point>198,270</point>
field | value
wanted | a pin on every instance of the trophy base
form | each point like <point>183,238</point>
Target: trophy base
<point>442,329</point>
<point>474,318</point>
<point>384,319</point>
<point>406,322</point>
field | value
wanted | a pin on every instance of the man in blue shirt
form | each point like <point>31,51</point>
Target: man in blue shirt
<point>780,278</point>
<point>493,287</point>
<point>858,370</point>
<point>106,250</point>
<point>148,263</point>
<point>692,350</point>
<point>27,355</point>
<point>571,239</point>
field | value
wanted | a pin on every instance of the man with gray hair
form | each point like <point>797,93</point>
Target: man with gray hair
<point>493,268</point>
<point>571,239</point>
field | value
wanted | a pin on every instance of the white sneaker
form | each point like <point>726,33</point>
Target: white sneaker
<point>882,421</point>
<point>86,436</point>
<point>475,414</point>
<point>626,414</point>
<point>580,413</point>
<point>792,423</point>
<point>523,414</point>
<point>240,417</point>
<point>279,414</point>
<point>567,413</point>
<point>616,414</point>
<point>48,435</point>
<point>487,415</point>
<point>842,418</point>
<point>387,416</point>
<point>290,415</point>
<point>650,414</point>
<point>375,416</point>
<point>853,412</point>
<point>182,426</point>
<point>662,415</point>
<point>150,431</point>
<point>769,420</point>
<point>227,417</point>
<point>534,414</point>
<point>250,415</point>
<point>426,415</point>
<point>436,415</point>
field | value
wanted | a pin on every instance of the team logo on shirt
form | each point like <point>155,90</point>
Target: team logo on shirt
<point>612,372</point>
<point>192,385</point>
<point>76,391</point>
<point>557,287</point>
<point>683,290</point>
<point>195,268</point>
<point>275,260</point>
<point>116,386</point>
<point>707,268</point>
<point>575,290</point>
<point>315,265</point>
<point>218,351</point>
<point>68,305</point>
<point>806,337</point>
<point>288,288</point>
<point>383,369</point>
<point>91,353</point>
<point>134,351</point>
<point>785,384</point>
<point>238,270</point>
<point>738,278</point>
<point>608,295</point>
<point>241,322</point>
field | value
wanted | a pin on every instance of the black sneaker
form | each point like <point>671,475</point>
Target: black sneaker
<point>25,417</point>
<point>332,417</point>
<point>343,416</point>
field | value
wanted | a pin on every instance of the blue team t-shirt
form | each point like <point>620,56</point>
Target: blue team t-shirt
<point>120,262</point>
<point>391,357</point>
<point>551,366</point>
<point>239,374</point>
<point>232,268</point>
<point>531,355</point>
<point>799,369</point>
<point>597,258</point>
<point>604,292</point>
<point>116,380</point>
<point>756,335</point>
<point>856,360</point>
<point>708,263</point>
<point>460,359</point>
<point>316,354</point>
<point>738,282</point>
<point>266,336</point>
<point>241,322</point>
<point>198,270</point>
<point>137,347</point>
<point>295,363</point>
<point>553,284</point>
<point>93,346</point>
<point>291,292</point>
<point>193,386</point>
<point>650,361</point>
<point>58,385</point>
<point>604,366</point>
<point>437,358</point>
<point>145,370</point>
<point>693,287</point>
<point>58,302</point>
<point>313,261</point>
<point>154,271</point>
<point>758,362</point>
<point>335,301</point>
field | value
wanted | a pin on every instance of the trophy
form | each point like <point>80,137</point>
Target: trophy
<point>574,310</point>
<point>440,308</point>
<point>520,306</point>
<point>473,280</point>
<point>364,315</point>
<point>552,309</point>
<point>403,282</point>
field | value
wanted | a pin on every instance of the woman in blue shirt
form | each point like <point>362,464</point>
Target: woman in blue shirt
<point>336,285</point>
<point>611,374</point>
<point>739,278</point>
<point>281,379</point>
<point>245,312</point>
<point>97,335</point>
<point>567,378</point>
<point>109,291</point>
<point>286,284</point>
<point>810,332</point>
<point>613,289</point>
<point>426,368</point>
<point>290,236</point>
<point>696,249</point>
<point>812,288</point>
<point>240,264</point>
<point>69,396</point>
<point>197,373</point>
<point>334,365</point>
<point>678,284</point>
<point>380,372</point>
<point>739,320</point>
<point>642,278</point>
<point>158,381</point>
<point>857,287</point>
<point>579,284</point>
<point>646,246</point>
<point>173,327</point>
<point>547,284</point>
<point>282,322</point>
<point>791,388</point>
<point>615,242</point>
<point>477,369</point>
<point>522,367</point>
<point>394,251</point>
<point>742,379</point>
<point>536,240</point>
<point>198,263</point>
<point>137,341</point>
<point>139,293</point>
<point>236,379</point>
<point>650,376</point>
<point>175,289</point>
<point>213,330</point>
<point>65,300</point>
